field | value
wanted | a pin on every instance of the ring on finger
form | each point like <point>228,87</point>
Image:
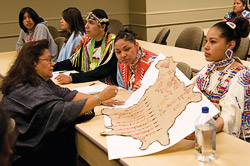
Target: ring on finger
<point>116,91</point>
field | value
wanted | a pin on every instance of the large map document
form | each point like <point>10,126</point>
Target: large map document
<point>144,124</point>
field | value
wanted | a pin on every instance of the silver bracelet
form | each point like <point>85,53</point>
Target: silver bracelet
<point>97,99</point>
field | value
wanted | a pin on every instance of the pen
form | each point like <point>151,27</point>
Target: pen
<point>92,84</point>
<point>62,71</point>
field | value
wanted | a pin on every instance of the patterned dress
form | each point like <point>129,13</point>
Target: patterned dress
<point>123,71</point>
<point>94,60</point>
<point>88,56</point>
<point>230,16</point>
<point>230,92</point>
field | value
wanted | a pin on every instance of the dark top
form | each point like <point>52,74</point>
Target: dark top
<point>105,72</point>
<point>45,117</point>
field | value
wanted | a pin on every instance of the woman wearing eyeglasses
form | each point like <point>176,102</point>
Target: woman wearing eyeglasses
<point>45,113</point>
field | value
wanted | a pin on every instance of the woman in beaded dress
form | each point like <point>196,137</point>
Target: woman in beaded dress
<point>133,61</point>
<point>240,9</point>
<point>225,81</point>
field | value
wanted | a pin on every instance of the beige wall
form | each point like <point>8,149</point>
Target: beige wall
<point>145,17</point>
<point>177,14</point>
<point>51,11</point>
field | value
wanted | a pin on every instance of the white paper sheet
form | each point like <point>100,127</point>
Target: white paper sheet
<point>92,89</point>
<point>120,146</point>
<point>56,73</point>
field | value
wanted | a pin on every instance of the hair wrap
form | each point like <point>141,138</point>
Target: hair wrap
<point>231,24</point>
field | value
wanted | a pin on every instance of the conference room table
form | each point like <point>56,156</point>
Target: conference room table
<point>6,60</point>
<point>92,147</point>
<point>195,59</point>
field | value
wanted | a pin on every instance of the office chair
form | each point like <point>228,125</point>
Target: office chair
<point>190,38</point>
<point>53,31</point>
<point>162,36</point>
<point>185,69</point>
<point>243,48</point>
<point>115,26</point>
<point>59,41</point>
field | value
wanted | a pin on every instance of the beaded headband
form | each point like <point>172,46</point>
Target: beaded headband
<point>92,16</point>
<point>231,24</point>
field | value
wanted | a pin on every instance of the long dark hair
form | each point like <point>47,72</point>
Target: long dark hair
<point>74,18</point>
<point>229,33</point>
<point>35,17</point>
<point>23,69</point>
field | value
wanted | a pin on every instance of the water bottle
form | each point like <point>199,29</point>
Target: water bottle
<point>205,132</point>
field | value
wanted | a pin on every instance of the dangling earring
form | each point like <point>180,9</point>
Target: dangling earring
<point>229,53</point>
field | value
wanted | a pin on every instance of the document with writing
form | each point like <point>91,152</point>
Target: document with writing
<point>156,116</point>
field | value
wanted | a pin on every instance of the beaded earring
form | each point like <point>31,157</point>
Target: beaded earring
<point>229,53</point>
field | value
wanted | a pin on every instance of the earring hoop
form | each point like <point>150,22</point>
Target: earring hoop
<point>229,53</point>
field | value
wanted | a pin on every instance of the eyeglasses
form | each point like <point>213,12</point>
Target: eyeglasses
<point>48,60</point>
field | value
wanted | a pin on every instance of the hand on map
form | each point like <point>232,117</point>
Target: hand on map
<point>112,102</point>
<point>137,86</point>
<point>108,93</point>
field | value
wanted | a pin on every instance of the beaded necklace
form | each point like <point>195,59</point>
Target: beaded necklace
<point>94,61</point>
<point>213,67</point>
<point>133,68</point>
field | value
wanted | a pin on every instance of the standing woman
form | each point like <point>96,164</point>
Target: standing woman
<point>94,50</point>
<point>240,9</point>
<point>73,23</point>
<point>133,61</point>
<point>34,28</point>
<point>225,81</point>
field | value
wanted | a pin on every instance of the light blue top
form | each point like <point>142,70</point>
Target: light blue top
<point>120,80</point>
<point>67,48</point>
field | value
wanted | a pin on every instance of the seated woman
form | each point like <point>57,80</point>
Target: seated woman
<point>240,9</point>
<point>34,28</point>
<point>95,49</point>
<point>133,63</point>
<point>133,60</point>
<point>45,113</point>
<point>225,81</point>
<point>73,23</point>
